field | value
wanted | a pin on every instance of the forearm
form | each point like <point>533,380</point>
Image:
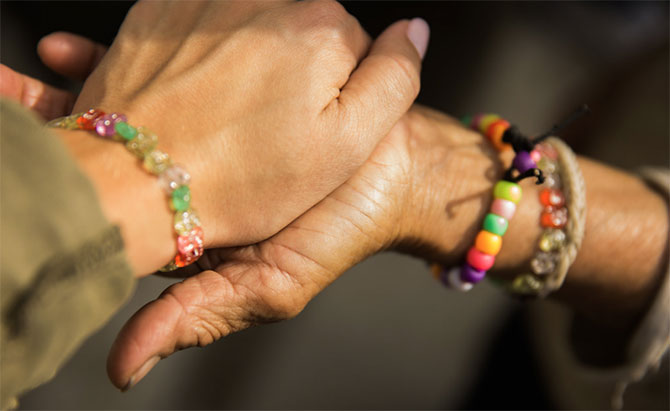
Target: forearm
<point>623,252</point>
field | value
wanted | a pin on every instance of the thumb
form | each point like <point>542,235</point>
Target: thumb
<point>71,55</point>
<point>387,81</point>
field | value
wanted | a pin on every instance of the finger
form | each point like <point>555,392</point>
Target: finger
<point>386,82</point>
<point>70,55</point>
<point>47,101</point>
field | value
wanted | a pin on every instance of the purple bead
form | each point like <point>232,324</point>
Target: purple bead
<point>469,274</point>
<point>523,162</point>
<point>104,125</point>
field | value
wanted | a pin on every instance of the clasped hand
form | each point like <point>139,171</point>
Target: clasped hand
<point>293,124</point>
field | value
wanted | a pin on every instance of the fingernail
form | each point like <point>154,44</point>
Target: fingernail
<point>418,33</point>
<point>141,372</point>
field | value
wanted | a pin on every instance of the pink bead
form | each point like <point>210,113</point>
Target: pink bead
<point>536,156</point>
<point>479,260</point>
<point>503,208</point>
<point>104,125</point>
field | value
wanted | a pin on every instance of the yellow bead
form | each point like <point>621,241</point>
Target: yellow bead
<point>507,191</point>
<point>156,162</point>
<point>488,243</point>
<point>486,121</point>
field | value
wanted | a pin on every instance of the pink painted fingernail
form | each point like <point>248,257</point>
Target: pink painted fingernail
<point>418,33</point>
<point>141,372</point>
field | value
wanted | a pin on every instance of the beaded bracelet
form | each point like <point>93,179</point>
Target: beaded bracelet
<point>562,219</point>
<point>506,193</point>
<point>173,178</point>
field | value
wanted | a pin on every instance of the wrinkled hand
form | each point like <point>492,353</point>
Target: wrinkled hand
<point>421,191</point>
<point>270,105</point>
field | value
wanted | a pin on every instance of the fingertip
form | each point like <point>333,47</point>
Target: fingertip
<point>418,32</point>
<point>70,54</point>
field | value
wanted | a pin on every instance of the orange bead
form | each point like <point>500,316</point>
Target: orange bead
<point>495,132</point>
<point>552,198</point>
<point>488,243</point>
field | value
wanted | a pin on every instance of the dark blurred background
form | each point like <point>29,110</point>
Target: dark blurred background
<point>386,335</point>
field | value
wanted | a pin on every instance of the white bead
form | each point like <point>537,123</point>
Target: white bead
<point>455,282</point>
<point>173,177</point>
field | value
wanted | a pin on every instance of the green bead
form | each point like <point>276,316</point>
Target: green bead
<point>144,143</point>
<point>466,121</point>
<point>495,224</point>
<point>125,130</point>
<point>507,191</point>
<point>156,162</point>
<point>181,198</point>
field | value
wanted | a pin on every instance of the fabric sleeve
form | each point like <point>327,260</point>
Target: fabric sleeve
<point>64,269</point>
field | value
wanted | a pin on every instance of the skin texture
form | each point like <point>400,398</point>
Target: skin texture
<point>424,191</point>
<point>264,138</point>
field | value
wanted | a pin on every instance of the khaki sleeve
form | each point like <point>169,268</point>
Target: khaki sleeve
<point>64,270</point>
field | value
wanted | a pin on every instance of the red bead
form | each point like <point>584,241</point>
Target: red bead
<point>552,198</point>
<point>479,260</point>
<point>189,247</point>
<point>554,218</point>
<point>88,119</point>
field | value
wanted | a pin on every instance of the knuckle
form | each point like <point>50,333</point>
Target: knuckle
<point>329,20</point>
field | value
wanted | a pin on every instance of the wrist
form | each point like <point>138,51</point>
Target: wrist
<point>129,198</point>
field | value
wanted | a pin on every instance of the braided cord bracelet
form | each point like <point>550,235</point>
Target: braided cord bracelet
<point>563,220</point>
<point>172,178</point>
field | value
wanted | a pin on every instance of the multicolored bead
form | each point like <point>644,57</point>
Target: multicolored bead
<point>554,218</point>
<point>485,121</point>
<point>186,221</point>
<point>190,247</point>
<point>479,260</point>
<point>144,142</point>
<point>181,198</point>
<point>551,240</point>
<point>87,120</point>
<point>507,191</point>
<point>552,198</point>
<point>544,263</point>
<point>105,125</point>
<point>173,177</point>
<point>125,130</point>
<point>523,162</point>
<point>503,208</point>
<point>488,243</point>
<point>469,274</point>
<point>156,162</point>
<point>495,224</point>
<point>453,279</point>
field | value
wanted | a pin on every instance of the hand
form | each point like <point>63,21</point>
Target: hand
<point>270,106</point>
<point>396,200</point>
<point>68,54</point>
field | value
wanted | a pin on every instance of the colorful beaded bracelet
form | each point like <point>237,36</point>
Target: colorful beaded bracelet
<point>173,178</point>
<point>506,193</point>
<point>562,219</point>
